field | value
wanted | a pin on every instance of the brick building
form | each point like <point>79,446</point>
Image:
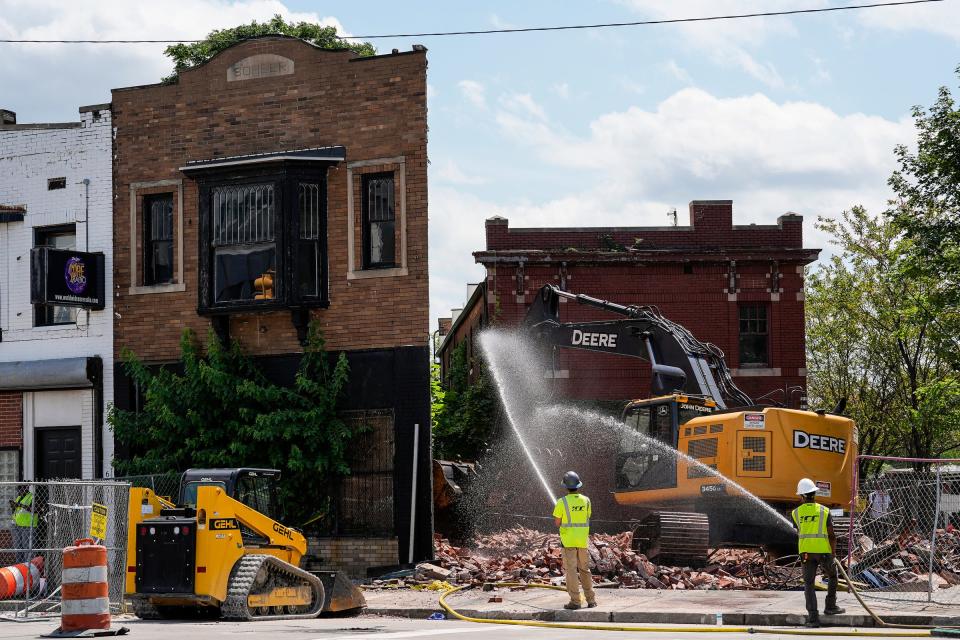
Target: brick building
<point>737,286</point>
<point>275,184</point>
<point>56,360</point>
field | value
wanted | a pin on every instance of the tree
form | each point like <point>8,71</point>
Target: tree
<point>187,55</point>
<point>222,412</point>
<point>464,413</point>
<point>927,211</point>
<point>870,340</point>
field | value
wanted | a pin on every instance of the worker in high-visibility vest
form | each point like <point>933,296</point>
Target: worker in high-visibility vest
<point>24,523</point>
<point>816,543</point>
<point>572,514</point>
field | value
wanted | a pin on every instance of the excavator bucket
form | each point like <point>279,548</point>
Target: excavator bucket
<point>340,593</point>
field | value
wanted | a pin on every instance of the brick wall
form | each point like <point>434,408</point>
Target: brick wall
<point>11,419</point>
<point>684,271</point>
<point>375,107</point>
<point>351,555</point>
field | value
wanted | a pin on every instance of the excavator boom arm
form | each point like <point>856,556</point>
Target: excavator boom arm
<point>680,362</point>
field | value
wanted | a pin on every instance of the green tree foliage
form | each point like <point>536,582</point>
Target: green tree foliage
<point>927,210</point>
<point>187,55</point>
<point>222,412</point>
<point>871,340</point>
<point>464,414</point>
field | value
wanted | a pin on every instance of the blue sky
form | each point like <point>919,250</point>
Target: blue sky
<point>593,127</point>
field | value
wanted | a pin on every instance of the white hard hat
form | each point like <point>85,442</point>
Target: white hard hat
<point>805,486</point>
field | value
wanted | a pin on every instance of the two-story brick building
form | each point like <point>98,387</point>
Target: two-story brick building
<point>739,287</point>
<point>56,360</point>
<point>276,184</point>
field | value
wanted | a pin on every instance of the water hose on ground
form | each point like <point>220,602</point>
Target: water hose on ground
<point>652,629</point>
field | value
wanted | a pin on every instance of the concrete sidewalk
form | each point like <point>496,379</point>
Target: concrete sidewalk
<point>650,606</point>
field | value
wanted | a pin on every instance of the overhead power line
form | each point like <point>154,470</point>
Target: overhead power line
<point>604,25</point>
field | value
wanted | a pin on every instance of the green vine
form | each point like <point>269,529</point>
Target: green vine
<point>221,411</point>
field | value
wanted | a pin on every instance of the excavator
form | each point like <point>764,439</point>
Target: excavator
<point>219,549</point>
<point>689,505</point>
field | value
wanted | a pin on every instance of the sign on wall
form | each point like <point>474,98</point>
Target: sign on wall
<point>67,278</point>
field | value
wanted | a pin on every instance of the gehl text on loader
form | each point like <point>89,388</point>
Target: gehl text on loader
<point>697,409</point>
<point>219,549</point>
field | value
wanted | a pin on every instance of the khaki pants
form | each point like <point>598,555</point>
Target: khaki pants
<point>576,568</point>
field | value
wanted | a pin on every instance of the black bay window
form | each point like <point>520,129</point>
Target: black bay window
<point>244,242</point>
<point>263,231</point>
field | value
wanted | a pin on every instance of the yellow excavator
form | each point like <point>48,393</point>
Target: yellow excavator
<point>689,505</point>
<point>219,549</point>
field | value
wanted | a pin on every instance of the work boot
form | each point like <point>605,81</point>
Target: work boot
<point>571,605</point>
<point>813,622</point>
<point>833,611</point>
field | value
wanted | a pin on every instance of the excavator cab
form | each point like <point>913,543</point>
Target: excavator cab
<point>641,464</point>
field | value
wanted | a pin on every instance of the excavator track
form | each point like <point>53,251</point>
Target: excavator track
<point>256,574</point>
<point>674,537</point>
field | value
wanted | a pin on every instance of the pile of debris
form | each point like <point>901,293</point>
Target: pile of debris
<point>529,556</point>
<point>902,562</point>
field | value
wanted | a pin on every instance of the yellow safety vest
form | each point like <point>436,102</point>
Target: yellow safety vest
<point>811,521</point>
<point>573,510</point>
<point>21,515</point>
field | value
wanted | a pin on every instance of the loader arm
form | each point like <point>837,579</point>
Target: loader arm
<point>216,508</point>
<point>679,361</point>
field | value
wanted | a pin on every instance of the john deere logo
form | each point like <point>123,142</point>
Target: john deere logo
<point>75,274</point>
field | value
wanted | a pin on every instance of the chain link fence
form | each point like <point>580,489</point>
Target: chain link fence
<point>904,530</point>
<point>39,519</point>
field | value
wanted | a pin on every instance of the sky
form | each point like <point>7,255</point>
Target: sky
<point>574,128</point>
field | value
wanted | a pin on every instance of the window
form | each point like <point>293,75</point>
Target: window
<point>753,335</point>
<point>379,217</point>
<point>158,239</point>
<point>244,243</point>
<point>309,250</point>
<point>56,183</point>
<point>9,473</point>
<point>60,237</point>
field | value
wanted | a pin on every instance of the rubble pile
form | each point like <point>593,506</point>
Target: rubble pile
<point>902,561</point>
<point>529,556</point>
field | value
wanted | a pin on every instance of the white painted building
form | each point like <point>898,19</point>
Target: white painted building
<point>56,362</point>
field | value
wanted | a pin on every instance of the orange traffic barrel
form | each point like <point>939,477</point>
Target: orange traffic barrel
<point>16,579</point>
<point>85,597</point>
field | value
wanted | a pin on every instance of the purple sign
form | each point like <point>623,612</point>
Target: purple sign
<point>75,274</point>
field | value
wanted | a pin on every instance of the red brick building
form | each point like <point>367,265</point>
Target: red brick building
<point>737,286</point>
<point>276,184</point>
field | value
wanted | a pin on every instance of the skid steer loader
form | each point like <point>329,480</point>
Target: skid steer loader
<point>218,548</point>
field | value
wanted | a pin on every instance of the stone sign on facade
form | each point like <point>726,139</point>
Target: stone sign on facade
<point>263,65</point>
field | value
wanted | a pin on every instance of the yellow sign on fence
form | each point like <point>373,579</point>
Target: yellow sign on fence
<point>98,521</point>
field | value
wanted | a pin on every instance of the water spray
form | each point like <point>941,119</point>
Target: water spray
<point>495,369</point>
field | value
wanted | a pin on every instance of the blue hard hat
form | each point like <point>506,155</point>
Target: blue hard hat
<point>571,480</point>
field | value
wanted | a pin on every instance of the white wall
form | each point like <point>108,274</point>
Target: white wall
<point>28,157</point>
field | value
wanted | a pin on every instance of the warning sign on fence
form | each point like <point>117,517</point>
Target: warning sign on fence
<point>98,521</point>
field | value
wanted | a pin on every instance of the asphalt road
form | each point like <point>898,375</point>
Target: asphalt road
<point>356,628</point>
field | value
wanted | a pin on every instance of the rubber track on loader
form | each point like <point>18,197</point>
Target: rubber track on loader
<point>243,582</point>
<point>144,609</point>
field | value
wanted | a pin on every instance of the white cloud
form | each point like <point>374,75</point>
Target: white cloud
<point>562,89</point>
<point>678,72</point>
<point>633,165</point>
<point>729,42</point>
<point>942,18</point>
<point>474,92</point>
<point>450,172</point>
<point>523,104</point>
<point>498,23</point>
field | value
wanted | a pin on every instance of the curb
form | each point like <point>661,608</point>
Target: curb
<point>676,617</point>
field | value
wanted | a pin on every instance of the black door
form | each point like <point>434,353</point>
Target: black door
<point>58,453</point>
